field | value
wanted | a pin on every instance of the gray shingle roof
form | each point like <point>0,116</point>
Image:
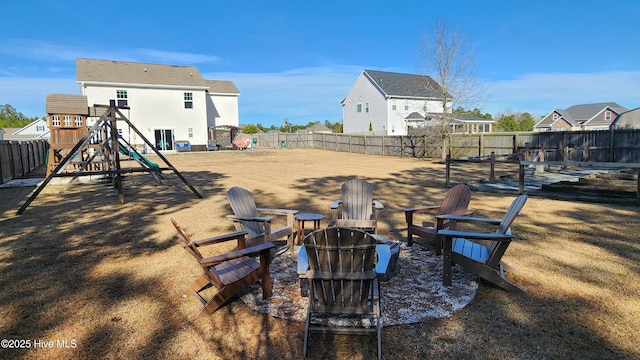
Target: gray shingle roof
<point>67,104</point>
<point>414,116</point>
<point>222,87</point>
<point>90,70</point>
<point>583,112</point>
<point>405,85</point>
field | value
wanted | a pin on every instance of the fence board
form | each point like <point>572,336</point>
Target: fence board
<point>601,146</point>
<point>18,158</point>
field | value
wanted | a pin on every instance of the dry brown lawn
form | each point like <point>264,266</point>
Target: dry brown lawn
<point>108,278</point>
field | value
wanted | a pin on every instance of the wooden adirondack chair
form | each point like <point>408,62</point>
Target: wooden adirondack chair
<point>247,218</point>
<point>230,272</point>
<point>485,260</point>
<point>342,280</point>
<point>357,208</point>
<point>455,202</point>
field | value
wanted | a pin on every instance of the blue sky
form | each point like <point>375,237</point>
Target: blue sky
<point>296,60</point>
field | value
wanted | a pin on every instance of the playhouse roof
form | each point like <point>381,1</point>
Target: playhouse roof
<point>67,104</point>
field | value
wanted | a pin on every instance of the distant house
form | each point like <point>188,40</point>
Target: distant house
<point>598,116</point>
<point>37,129</point>
<point>389,103</point>
<point>318,129</point>
<point>627,120</point>
<point>167,103</point>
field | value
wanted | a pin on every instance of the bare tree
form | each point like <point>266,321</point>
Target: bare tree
<point>450,64</point>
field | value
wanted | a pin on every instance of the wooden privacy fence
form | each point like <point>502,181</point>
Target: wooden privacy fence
<point>18,158</point>
<point>600,146</point>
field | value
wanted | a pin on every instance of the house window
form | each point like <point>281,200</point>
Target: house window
<point>55,121</point>
<point>78,120</point>
<point>359,108</point>
<point>366,107</point>
<point>67,120</point>
<point>555,116</point>
<point>393,105</point>
<point>190,131</point>
<point>188,100</point>
<point>406,105</point>
<point>39,128</point>
<point>607,115</point>
<point>121,96</point>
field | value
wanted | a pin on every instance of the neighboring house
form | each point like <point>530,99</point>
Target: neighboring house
<point>388,103</point>
<point>318,129</point>
<point>37,129</point>
<point>627,120</point>
<point>597,116</point>
<point>167,103</point>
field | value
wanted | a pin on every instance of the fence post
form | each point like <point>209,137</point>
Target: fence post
<point>586,152</point>
<point>481,145</point>
<point>1,174</point>
<point>424,142</point>
<point>492,174</point>
<point>521,178</point>
<point>447,170</point>
<point>541,158</point>
<point>611,143</point>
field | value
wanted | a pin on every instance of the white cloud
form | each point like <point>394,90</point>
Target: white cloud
<point>171,57</point>
<point>300,95</point>
<point>39,50</point>
<point>310,94</point>
<point>540,93</point>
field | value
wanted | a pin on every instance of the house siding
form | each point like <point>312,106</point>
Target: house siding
<point>364,92</point>
<point>222,110</point>
<point>157,108</point>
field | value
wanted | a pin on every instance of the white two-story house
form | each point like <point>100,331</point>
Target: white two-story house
<point>387,103</point>
<point>167,103</point>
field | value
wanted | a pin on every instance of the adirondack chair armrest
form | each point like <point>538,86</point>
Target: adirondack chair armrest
<point>476,236</point>
<point>408,212</point>
<point>250,251</point>
<point>463,218</point>
<point>377,205</point>
<point>335,204</point>
<point>250,218</point>
<point>419,209</point>
<point>219,239</point>
<point>277,211</point>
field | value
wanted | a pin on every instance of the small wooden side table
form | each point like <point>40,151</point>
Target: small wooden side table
<point>301,218</point>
